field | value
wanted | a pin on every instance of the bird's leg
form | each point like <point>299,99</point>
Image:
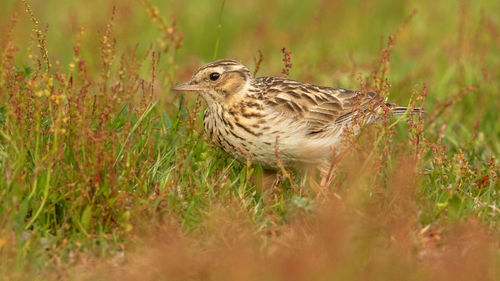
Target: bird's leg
<point>264,179</point>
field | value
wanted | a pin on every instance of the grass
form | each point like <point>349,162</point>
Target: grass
<point>107,174</point>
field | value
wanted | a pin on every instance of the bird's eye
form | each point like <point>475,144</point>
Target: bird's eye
<point>214,76</point>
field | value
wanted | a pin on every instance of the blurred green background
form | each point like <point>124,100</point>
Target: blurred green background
<point>448,44</point>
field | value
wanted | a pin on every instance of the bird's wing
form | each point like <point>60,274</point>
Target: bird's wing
<point>319,107</point>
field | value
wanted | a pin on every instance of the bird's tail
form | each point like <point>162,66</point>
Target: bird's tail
<point>406,110</point>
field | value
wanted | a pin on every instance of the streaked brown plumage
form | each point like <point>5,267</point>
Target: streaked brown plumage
<point>251,117</point>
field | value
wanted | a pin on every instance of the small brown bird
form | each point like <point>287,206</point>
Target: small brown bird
<point>254,117</point>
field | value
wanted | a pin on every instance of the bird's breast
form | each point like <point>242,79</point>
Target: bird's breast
<point>264,138</point>
<point>243,135</point>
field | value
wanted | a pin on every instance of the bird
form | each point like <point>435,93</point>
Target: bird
<point>276,120</point>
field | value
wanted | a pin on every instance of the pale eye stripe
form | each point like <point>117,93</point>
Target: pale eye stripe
<point>219,63</point>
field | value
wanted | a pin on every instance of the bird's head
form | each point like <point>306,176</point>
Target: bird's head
<point>218,82</point>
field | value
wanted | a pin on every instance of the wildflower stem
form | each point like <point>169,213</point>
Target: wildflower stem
<point>219,30</point>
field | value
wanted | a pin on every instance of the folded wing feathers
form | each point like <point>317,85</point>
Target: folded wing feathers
<point>320,107</point>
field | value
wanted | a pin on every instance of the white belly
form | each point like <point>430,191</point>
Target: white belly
<point>264,143</point>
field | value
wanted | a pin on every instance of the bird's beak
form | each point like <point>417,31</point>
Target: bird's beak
<point>187,86</point>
